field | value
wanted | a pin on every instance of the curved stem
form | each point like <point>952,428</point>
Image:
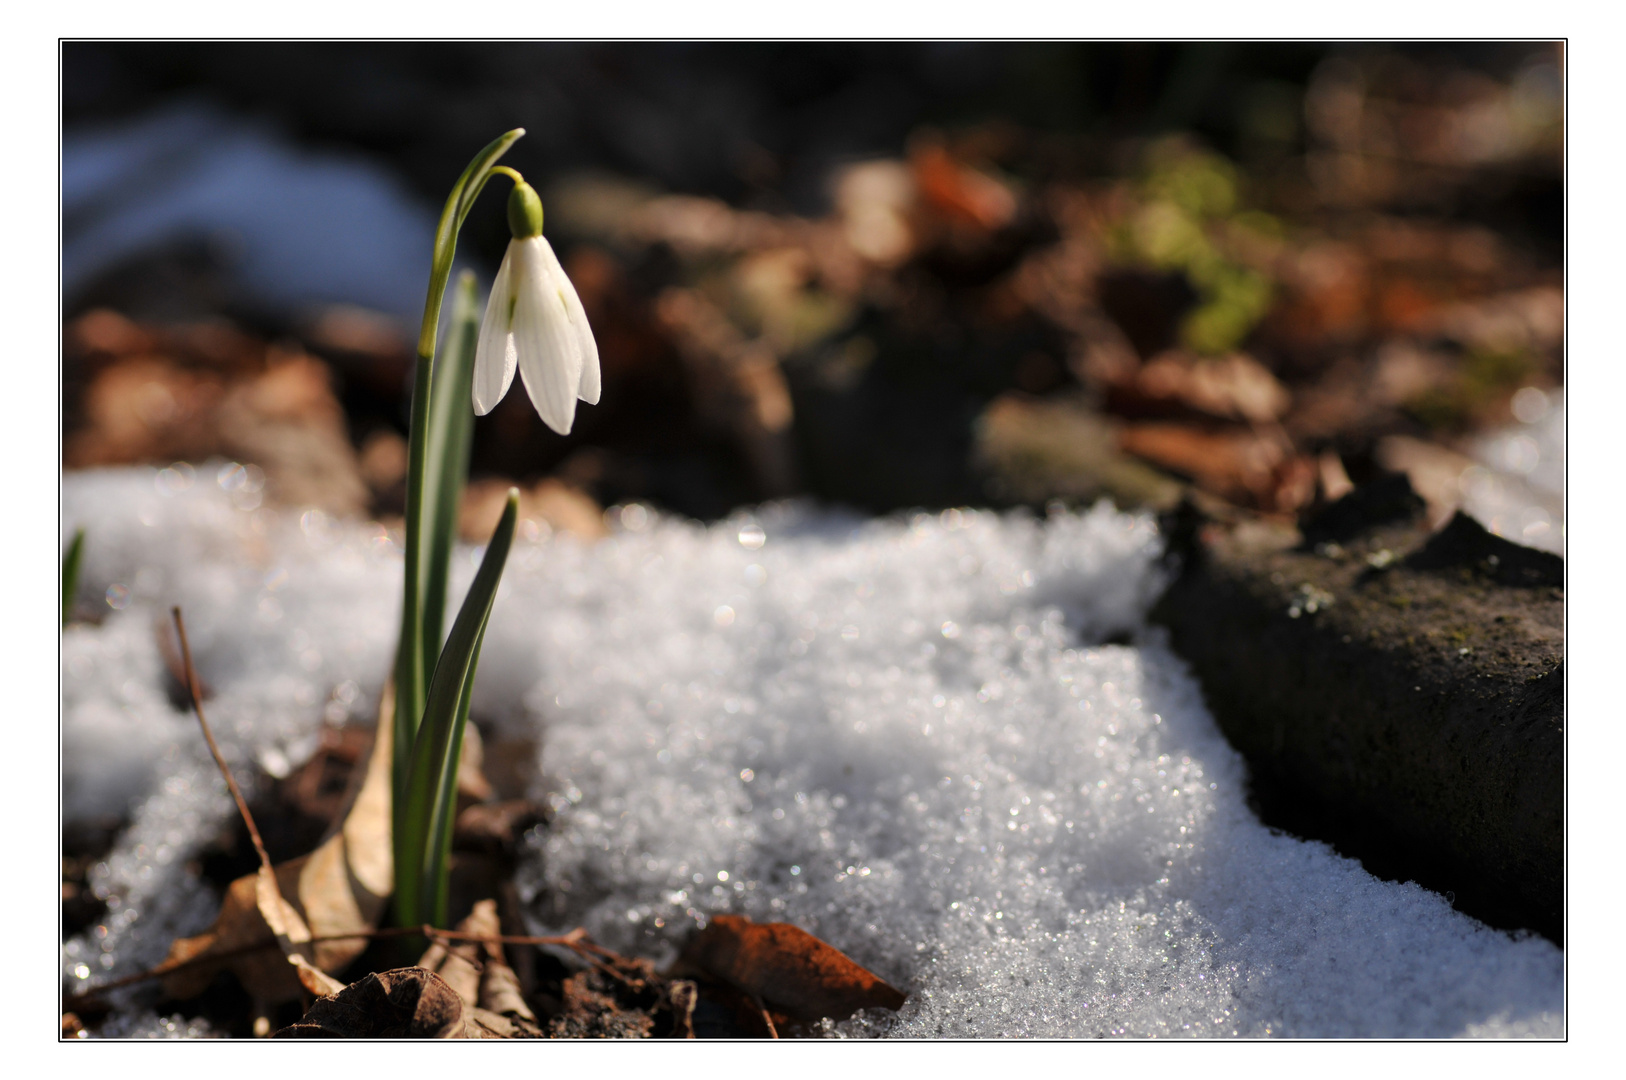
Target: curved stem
<point>412,651</point>
<point>411,657</point>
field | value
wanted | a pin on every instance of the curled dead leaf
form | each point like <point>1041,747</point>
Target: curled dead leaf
<point>407,1003</point>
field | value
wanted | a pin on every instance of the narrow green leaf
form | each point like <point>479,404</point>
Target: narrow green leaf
<point>451,432</point>
<point>423,829</point>
<point>437,875</point>
<point>70,573</point>
<point>411,655</point>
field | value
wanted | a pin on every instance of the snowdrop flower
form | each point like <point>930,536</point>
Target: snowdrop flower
<point>534,321</point>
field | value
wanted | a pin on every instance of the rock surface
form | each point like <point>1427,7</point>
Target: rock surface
<point>1398,695</point>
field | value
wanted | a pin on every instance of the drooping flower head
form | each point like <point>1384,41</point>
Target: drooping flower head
<point>534,321</point>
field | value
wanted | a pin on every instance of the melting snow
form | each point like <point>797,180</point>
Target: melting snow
<point>905,735</point>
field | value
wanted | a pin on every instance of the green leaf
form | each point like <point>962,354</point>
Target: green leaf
<point>411,653</point>
<point>451,432</point>
<point>423,831</point>
<point>70,572</point>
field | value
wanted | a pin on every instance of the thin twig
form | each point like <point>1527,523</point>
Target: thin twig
<point>225,770</point>
<point>756,999</point>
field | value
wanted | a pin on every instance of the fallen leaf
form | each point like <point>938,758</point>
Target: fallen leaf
<point>1231,387</point>
<point>788,968</point>
<point>406,1003</point>
<point>1246,467</point>
<point>739,388</point>
<point>319,983</point>
<point>340,888</point>
<point>477,970</point>
<point>958,192</point>
<point>208,391</point>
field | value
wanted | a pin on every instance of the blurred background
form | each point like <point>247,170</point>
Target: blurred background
<point>882,275</point>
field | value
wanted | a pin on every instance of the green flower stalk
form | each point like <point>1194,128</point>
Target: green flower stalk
<point>533,322</point>
<point>411,676</point>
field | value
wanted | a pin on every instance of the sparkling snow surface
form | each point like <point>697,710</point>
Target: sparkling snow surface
<point>904,735</point>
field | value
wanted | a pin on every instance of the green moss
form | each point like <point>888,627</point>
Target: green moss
<point>1191,221</point>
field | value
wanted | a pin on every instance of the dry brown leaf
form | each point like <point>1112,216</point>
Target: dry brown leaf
<point>1231,387</point>
<point>499,985</point>
<point>209,391</point>
<point>958,192</point>
<point>477,971</point>
<point>340,888</point>
<point>1247,467</point>
<point>788,968</point>
<point>407,1003</point>
<point>458,962</point>
<point>319,983</point>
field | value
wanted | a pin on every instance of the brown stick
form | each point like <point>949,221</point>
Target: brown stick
<point>225,770</point>
<point>756,999</point>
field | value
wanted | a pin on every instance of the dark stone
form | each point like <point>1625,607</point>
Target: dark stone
<point>1398,696</point>
<point>1385,501</point>
<point>1465,548</point>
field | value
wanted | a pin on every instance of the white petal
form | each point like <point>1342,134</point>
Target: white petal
<point>589,389</point>
<point>549,354</point>
<point>494,352</point>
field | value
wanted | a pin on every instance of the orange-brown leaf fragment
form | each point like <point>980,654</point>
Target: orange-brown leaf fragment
<point>789,969</point>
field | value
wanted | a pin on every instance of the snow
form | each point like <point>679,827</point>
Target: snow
<point>1517,488</point>
<point>909,736</point>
